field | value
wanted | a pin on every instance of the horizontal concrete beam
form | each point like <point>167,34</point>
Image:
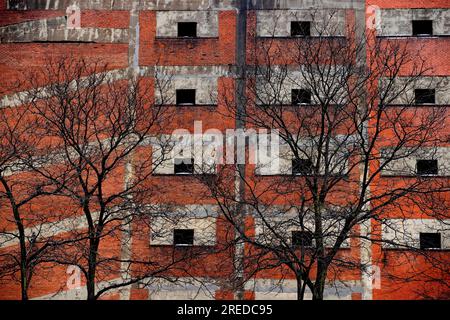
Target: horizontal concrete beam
<point>197,71</point>
<point>307,4</point>
<point>54,30</point>
<point>184,5</point>
<point>120,4</point>
<point>19,98</point>
<point>45,230</point>
<point>286,289</point>
<point>63,4</point>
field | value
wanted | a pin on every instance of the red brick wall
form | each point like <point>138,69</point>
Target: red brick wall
<point>192,52</point>
<point>12,17</point>
<point>18,58</point>
<point>105,19</point>
<point>410,4</point>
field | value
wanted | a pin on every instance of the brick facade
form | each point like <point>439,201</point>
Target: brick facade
<point>216,58</point>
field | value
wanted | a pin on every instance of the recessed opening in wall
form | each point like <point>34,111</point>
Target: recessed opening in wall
<point>302,166</point>
<point>430,240</point>
<point>422,27</point>
<point>302,239</point>
<point>187,29</point>
<point>300,96</point>
<point>183,237</point>
<point>184,166</point>
<point>427,167</point>
<point>185,96</point>
<point>425,96</point>
<point>300,28</point>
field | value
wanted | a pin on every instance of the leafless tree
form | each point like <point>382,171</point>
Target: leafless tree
<point>100,126</point>
<point>24,236</point>
<point>349,127</point>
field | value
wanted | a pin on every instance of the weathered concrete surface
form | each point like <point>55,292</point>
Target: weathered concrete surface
<point>121,4</point>
<point>297,78</point>
<point>403,92</point>
<point>183,5</point>
<point>406,232</point>
<point>307,4</point>
<point>18,98</point>
<point>398,22</point>
<point>276,289</point>
<point>204,230</point>
<point>204,154</point>
<point>205,86</point>
<point>289,221</point>
<point>54,30</point>
<point>63,4</point>
<point>406,166</point>
<point>207,22</point>
<point>188,5</point>
<point>186,289</point>
<point>201,71</point>
<point>278,22</point>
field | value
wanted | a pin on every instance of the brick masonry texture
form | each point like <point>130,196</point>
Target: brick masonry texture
<point>22,53</point>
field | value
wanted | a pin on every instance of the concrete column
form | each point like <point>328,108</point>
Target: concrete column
<point>133,71</point>
<point>241,45</point>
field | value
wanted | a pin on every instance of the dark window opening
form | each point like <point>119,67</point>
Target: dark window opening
<point>423,96</point>
<point>186,96</point>
<point>187,29</point>
<point>300,28</point>
<point>430,241</point>
<point>302,239</point>
<point>302,166</point>
<point>301,96</point>
<point>17,5</point>
<point>425,167</point>
<point>422,27</point>
<point>183,237</point>
<point>184,166</point>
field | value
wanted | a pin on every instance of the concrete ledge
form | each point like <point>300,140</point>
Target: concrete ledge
<point>54,30</point>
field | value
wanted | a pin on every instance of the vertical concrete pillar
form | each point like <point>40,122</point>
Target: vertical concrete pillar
<point>133,71</point>
<point>241,48</point>
<point>365,227</point>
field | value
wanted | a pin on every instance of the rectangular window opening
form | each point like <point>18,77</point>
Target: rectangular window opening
<point>424,96</point>
<point>187,29</point>
<point>183,237</point>
<point>300,96</point>
<point>427,167</point>
<point>185,96</point>
<point>422,27</point>
<point>184,166</point>
<point>300,28</point>
<point>430,241</point>
<point>302,239</point>
<point>302,167</point>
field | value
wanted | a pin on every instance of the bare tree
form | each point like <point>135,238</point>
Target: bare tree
<point>25,241</point>
<point>100,127</point>
<point>348,120</point>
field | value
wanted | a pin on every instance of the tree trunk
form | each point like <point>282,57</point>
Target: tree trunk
<point>23,248</point>
<point>92,265</point>
<point>300,289</point>
<point>23,282</point>
<point>23,258</point>
<point>319,284</point>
